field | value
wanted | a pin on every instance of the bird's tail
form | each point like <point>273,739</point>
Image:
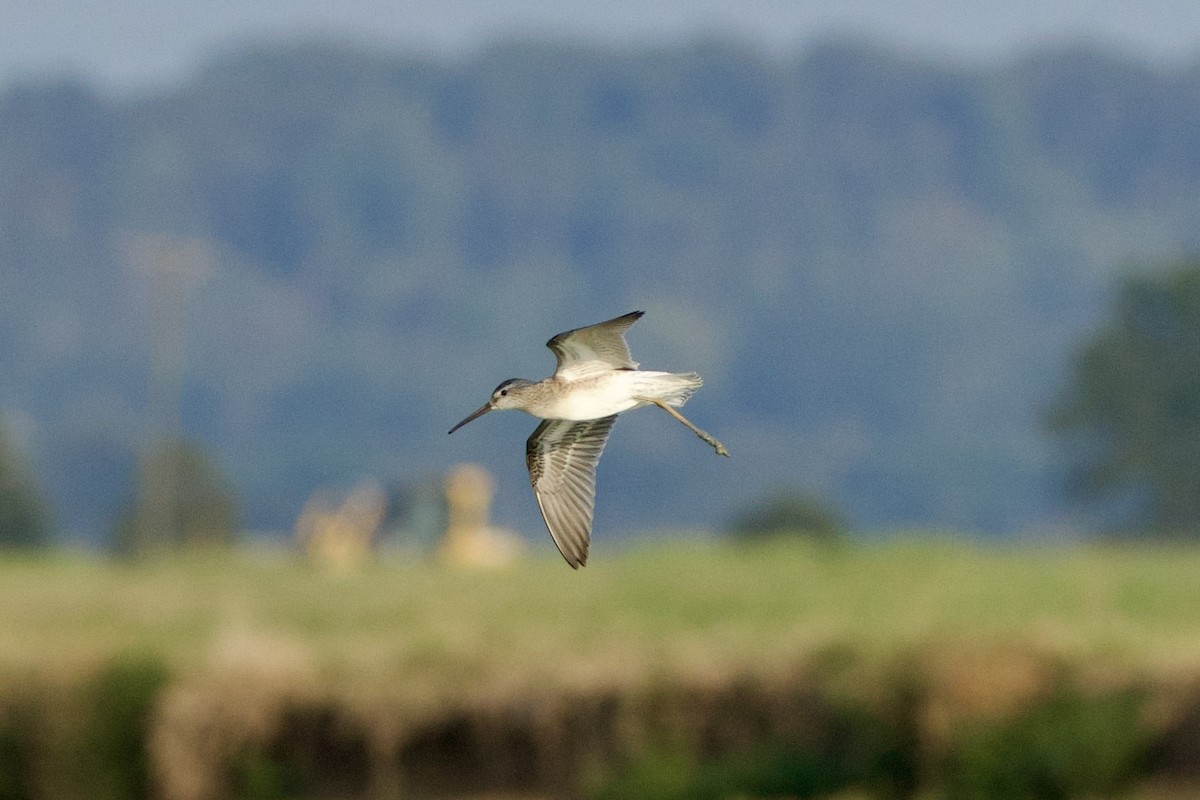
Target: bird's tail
<point>674,388</point>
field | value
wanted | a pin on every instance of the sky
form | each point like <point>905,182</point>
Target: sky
<point>137,44</point>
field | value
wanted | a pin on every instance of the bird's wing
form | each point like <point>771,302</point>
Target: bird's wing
<point>596,348</point>
<point>561,456</point>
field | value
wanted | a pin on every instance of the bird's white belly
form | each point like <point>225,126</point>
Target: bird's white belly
<point>593,398</point>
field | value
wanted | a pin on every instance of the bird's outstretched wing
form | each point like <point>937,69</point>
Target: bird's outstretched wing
<point>596,348</point>
<point>561,456</point>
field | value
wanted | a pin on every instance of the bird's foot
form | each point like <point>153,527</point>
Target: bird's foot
<point>712,442</point>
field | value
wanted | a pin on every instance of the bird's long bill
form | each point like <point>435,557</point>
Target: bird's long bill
<point>486,407</point>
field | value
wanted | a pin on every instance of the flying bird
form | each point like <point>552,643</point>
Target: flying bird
<point>596,379</point>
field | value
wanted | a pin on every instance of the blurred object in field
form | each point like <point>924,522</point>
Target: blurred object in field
<point>788,512</point>
<point>340,536</point>
<point>469,539</point>
<point>416,517</point>
<point>201,507</point>
<point>172,267</point>
<point>24,519</point>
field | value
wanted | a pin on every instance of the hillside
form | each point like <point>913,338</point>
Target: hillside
<point>878,263</point>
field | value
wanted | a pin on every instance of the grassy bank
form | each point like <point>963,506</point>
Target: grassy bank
<point>270,678</point>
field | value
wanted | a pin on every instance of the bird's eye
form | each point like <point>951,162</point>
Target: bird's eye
<point>503,392</point>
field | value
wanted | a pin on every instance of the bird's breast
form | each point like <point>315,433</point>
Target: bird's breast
<point>589,398</point>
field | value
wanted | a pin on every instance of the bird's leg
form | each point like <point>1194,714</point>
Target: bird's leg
<point>707,437</point>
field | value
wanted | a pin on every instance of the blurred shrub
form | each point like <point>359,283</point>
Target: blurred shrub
<point>671,774</point>
<point>767,771</point>
<point>183,501</point>
<point>788,513</point>
<point>1071,745</point>
<point>81,741</point>
<point>743,740</point>
<point>16,752</point>
<point>24,519</point>
<point>254,775</point>
<point>112,757</point>
<point>849,747</point>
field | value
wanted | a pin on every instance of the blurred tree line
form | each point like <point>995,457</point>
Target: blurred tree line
<point>201,508</point>
<point>880,263</point>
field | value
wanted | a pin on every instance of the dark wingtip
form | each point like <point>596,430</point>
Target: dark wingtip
<point>630,318</point>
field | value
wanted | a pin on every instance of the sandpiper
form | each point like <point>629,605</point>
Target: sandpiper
<point>594,382</point>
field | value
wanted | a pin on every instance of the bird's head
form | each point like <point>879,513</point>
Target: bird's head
<point>506,395</point>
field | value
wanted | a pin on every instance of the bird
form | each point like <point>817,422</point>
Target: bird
<point>595,380</point>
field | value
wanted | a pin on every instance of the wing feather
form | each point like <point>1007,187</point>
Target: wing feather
<point>598,347</point>
<point>562,457</point>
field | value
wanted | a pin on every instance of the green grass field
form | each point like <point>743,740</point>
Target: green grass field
<point>415,636</point>
<point>689,606</point>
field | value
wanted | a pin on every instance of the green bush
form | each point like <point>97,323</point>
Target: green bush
<point>111,757</point>
<point>788,513</point>
<point>1069,746</point>
<point>16,753</point>
<point>671,774</point>
<point>855,748</point>
<point>255,775</point>
<point>85,741</point>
